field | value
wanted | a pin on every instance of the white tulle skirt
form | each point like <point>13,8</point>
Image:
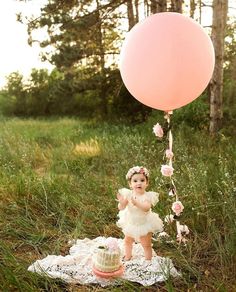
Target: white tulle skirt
<point>137,224</point>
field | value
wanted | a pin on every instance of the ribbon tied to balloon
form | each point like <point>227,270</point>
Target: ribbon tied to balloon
<point>166,62</point>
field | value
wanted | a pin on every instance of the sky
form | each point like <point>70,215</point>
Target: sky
<point>15,53</point>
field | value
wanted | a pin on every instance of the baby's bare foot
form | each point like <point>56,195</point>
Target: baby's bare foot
<point>126,258</point>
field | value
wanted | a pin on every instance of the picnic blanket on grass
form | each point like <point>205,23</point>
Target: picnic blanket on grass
<point>76,267</point>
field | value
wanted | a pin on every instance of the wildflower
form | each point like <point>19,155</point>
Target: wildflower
<point>163,234</point>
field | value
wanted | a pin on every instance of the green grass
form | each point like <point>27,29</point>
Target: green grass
<point>58,180</point>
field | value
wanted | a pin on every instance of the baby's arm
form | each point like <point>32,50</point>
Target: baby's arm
<point>123,202</point>
<point>144,206</point>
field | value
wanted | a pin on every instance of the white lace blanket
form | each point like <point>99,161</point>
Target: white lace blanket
<point>77,266</point>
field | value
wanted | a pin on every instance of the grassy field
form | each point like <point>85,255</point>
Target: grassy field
<point>58,181</point>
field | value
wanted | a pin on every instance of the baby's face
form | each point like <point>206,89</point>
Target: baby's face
<point>138,183</point>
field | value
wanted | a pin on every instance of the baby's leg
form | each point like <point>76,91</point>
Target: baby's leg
<point>128,247</point>
<point>146,242</point>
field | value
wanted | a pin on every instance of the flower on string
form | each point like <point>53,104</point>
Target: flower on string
<point>169,218</point>
<point>169,154</point>
<point>167,170</point>
<point>177,207</point>
<point>158,131</point>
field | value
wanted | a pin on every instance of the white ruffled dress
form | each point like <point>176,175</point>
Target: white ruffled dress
<point>135,222</point>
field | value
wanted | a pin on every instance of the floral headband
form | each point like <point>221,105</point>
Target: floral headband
<point>137,169</point>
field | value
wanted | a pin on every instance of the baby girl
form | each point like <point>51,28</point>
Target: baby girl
<point>136,219</point>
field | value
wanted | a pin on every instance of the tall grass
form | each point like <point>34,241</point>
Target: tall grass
<point>58,180</point>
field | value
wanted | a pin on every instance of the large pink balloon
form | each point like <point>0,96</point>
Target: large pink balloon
<point>167,60</point>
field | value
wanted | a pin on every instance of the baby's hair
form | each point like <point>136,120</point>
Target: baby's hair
<point>136,170</point>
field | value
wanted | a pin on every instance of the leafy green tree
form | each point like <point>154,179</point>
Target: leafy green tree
<point>84,38</point>
<point>14,95</point>
<point>38,92</point>
<point>83,35</point>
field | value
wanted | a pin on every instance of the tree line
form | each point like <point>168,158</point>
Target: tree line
<point>83,43</point>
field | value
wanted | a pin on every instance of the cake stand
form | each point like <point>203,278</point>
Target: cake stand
<point>115,274</point>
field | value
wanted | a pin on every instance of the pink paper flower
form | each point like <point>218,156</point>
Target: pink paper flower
<point>169,154</point>
<point>167,170</point>
<point>112,244</point>
<point>158,131</point>
<point>177,207</point>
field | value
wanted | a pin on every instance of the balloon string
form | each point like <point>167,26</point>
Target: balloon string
<point>167,116</point>
<point>170,138</point>
<point>170,146</point>
<point>175,190</point>
<point>179,235</point>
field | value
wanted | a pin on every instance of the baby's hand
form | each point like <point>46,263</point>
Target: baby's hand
<point>134,201</point>
<point>144,206</point>
<point>121,199</point>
